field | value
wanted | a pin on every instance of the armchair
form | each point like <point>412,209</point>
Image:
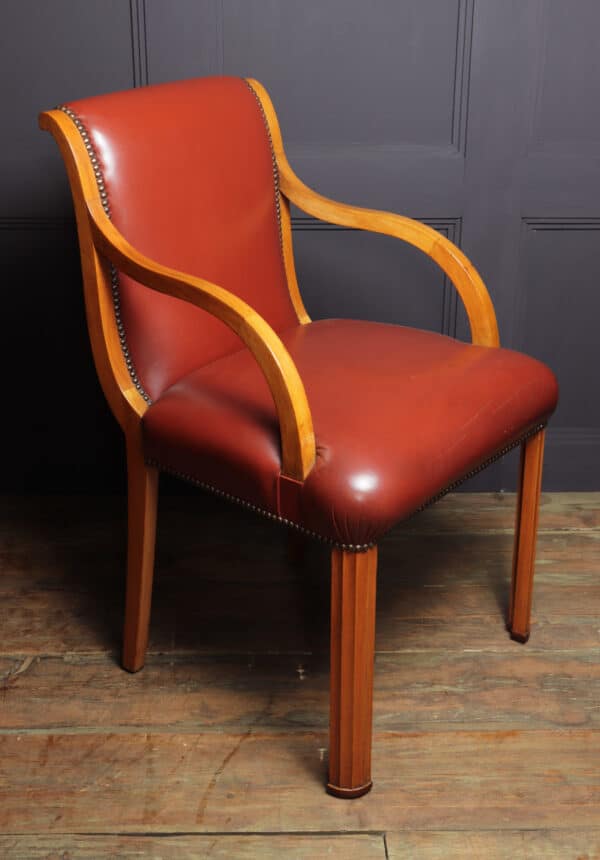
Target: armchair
<point>215,372</point>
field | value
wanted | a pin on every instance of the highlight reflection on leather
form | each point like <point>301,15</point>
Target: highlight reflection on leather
<point>398,413</point>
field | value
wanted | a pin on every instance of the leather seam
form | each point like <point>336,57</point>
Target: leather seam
<point>114,275</point>
<point>471,474</point>
<point>191,479</point>
<point>275,169</point>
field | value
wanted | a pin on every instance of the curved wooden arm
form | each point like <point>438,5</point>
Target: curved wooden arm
<point>462,273</point>
<point>460,270</point>
<point>295,421</point>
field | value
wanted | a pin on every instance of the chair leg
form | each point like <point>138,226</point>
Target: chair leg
<point>530,481</point>
<point>142,496</point>
<point>353,583</point>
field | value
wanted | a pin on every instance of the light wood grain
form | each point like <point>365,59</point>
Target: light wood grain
<point>142,502</point>
<point>481,745</point>
<point>257,781</point>
<point>289,260</point>
<point>580,844</point>
<point>430,690</point>
<point>352,649</point>
<point>217,847</point>
<point>61,580</point>
<point>71,519</point>
<point>486,512</point>
<point>530,483</point>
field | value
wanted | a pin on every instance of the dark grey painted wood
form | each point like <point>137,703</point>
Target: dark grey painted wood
<point>551,253</point>
<point>376,92</point>
<point>183,42</point>
<point>53,52</point>
<point>351,66</point>
<point>478,116</point>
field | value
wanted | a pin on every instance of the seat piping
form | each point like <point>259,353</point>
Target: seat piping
<point>114,275</point>
<point>191,479</point>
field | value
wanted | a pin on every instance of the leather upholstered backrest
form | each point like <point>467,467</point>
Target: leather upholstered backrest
<point>189,175</point>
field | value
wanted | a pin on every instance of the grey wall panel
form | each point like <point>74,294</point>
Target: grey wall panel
<point>501,96</point>
<point>183,39</point>
<point>53,52</point>
<point>376,92</point>
<point>561,170</point>
<point>551,184</point>
<point>415,183</point>
<point>557,195</point>
<point>565,118</point>
<point>572,459</point>
<point>347,273</point>
<point>346,73</point>
<point>558,312</point>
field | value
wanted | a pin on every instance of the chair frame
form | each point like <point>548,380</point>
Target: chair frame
<point>353,574</point>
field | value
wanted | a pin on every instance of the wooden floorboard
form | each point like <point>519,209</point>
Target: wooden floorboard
<point>259,780</point>
<point>191,847</point>
<point>582,844</point>
<point>483,747</point>
<point>436,690</point>
<point>71,600</point>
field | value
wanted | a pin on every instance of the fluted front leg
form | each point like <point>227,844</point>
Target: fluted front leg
<point>528,501</point>
<point>353,585</point>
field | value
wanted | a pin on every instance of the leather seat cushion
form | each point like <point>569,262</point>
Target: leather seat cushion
<point>399,414</point>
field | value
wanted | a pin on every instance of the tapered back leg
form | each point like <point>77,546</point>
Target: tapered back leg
<point>528,501</point>
<point>142,497</point>
<point>353,585</point>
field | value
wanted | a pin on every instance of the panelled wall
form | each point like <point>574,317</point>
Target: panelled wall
<point>477,116</point>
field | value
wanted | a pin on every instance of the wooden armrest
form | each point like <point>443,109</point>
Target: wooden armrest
<point>295,421</point>
<point>460,270</point>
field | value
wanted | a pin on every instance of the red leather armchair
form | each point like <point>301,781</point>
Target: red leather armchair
<point>215,372</point>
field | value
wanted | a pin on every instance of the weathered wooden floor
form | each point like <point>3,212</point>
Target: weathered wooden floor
<point>483,748</point>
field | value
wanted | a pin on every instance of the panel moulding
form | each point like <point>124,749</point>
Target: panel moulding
<point>451,228</point>
<point>462,75</point>
<point>536,224</point>
<point>139,42</point>
<point>558,223</point>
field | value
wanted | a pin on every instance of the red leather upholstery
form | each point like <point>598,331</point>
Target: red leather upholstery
<point>189,174</point>
<point>398,413</point>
